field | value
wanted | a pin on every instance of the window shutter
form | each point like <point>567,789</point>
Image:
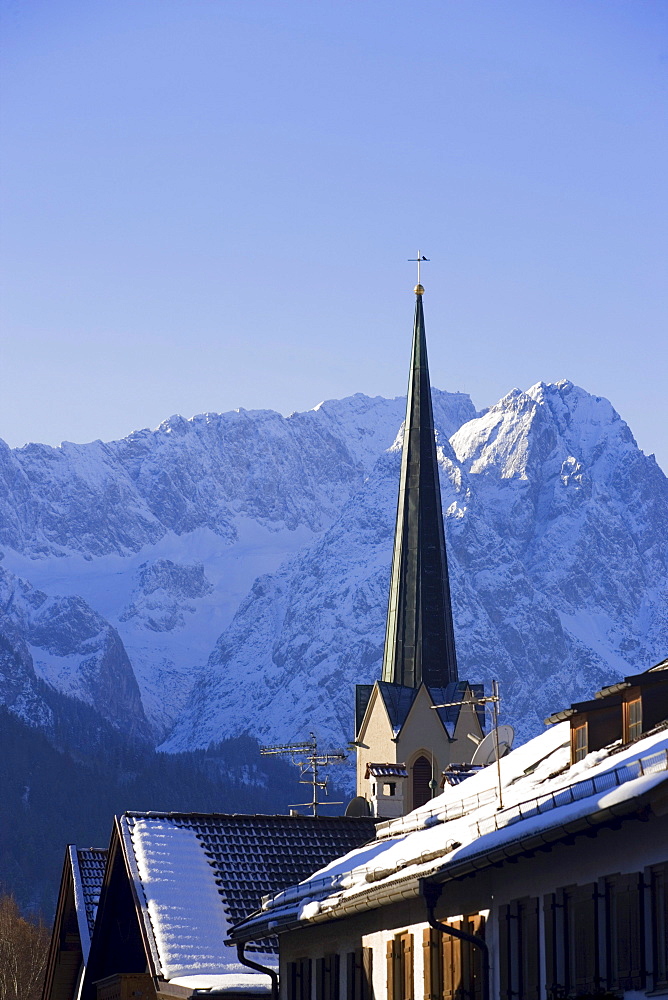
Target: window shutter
<point>457,971</point>
<point>407,966</point>
<point>334,977</point>
<point>625,932</point>
<point>582,939</point>
<point>432,985</point>
<point>448,985</point>
<point>292,981</point>
<point>552,983</point>
<point>367,974</point>
<point>351,977</point>
<point>320,989</point>
<point>659,911</point>
<point>504,953</point>
<point>529,936</point>
<point>391,993</point>
<point>305,977</point>
<point>474,925</point>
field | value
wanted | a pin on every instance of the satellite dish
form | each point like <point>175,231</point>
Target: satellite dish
<point>485,752</point>
<point>358,807</point>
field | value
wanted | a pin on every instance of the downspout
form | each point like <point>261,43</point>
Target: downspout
<point>432,893</point>
<point>263,968</point>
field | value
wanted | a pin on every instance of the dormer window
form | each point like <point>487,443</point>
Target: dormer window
<point>579,742</point>
<point>632,718</point>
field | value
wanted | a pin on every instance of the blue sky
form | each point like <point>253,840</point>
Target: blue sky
<point>209,204</point>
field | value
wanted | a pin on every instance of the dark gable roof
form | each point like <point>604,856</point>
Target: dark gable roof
<point>81,882</point>
<point>92,863</point>
<point>457,691</point>
<point>398,701</point>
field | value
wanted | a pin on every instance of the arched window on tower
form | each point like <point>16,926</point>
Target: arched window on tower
<point>421,776</point>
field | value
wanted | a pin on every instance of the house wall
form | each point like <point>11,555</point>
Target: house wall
<point>629,849</point>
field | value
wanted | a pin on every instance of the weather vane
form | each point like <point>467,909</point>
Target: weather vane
<point>418,260</point>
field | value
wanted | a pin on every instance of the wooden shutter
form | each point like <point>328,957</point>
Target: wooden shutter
<point>451,964</point>
<point>351,981</point>
<point>304,972</point>
<point>582,939</point>
<point>528,943</point>
<point>471,958</point>
<point>391,965</point>
<point>659,917</point>
<point>408,991</point>
<point>553,969</point>
<point>625,932</point>
<point>327,978</point>
<point>367,974</point>
<point>292,981</point>
<point>432,964</point>
<point>505,989</point>
<point>299,979</point>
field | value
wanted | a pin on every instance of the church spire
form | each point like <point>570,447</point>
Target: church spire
<point>419,639</point>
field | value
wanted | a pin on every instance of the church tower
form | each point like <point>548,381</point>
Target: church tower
<point>403,742</point>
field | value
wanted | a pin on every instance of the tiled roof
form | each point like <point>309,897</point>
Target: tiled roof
<point>386,770</point>
<point>458,691</point>
<point>454,774</point>
<point>92,863</point>
<point>252,856</point>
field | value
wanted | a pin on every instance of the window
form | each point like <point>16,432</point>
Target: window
<point>400,967</point>
<point>358,974</point>
<point>579,741</point>
<point>390,788</point>
<point>624,932</point>
<point>452,967</point>
<point>632,718</point>
<point>571,940</point>
<point>299,979</point>
<point>327,978</point>
<point>519,950</point>
<point>658,882</point>
<point>421,780</point>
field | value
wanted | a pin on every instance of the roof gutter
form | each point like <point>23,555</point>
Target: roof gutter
<point>408,887</point>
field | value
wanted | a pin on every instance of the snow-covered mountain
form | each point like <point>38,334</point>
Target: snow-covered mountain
<point>229,573</point>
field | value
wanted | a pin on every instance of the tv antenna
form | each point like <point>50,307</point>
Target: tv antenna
<point>309,760</point>
<point>502,736</point>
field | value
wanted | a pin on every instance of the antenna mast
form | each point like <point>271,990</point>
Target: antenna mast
<point>306,757</point>
<point>492,699</point>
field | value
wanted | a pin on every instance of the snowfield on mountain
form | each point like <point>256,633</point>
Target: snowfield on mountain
<point>229,573</point>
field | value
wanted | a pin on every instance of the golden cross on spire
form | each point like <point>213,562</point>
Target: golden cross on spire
<point>420,257</point>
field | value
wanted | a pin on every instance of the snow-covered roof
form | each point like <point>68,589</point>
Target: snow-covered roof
<point>195,875</point>
<point>464,829</point>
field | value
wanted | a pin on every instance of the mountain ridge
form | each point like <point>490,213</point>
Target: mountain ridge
<point>242,560</point>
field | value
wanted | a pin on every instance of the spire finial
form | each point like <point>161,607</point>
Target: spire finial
<point>419,290</point>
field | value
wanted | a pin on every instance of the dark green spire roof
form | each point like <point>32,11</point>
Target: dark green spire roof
<point>419,640</point>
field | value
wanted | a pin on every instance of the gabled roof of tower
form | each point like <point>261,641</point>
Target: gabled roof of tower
<point>419,638</point>
<point>399,700</point>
